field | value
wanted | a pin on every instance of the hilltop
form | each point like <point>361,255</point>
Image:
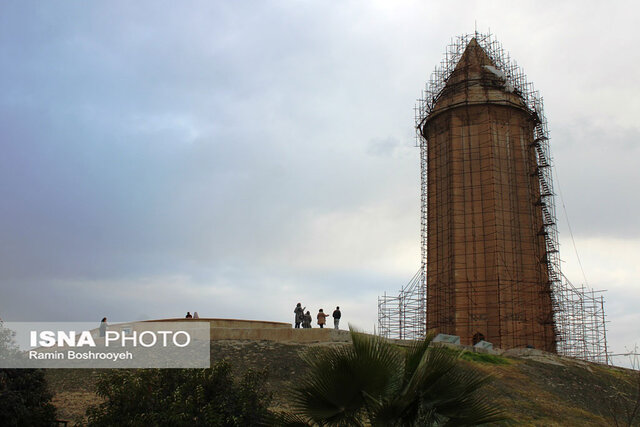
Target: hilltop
<point>534,388</point>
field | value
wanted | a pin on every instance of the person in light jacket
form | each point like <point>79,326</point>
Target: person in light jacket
<point>103,327</point>
<point>322,318</point>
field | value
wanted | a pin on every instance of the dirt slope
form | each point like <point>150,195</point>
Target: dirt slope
<point>534,388</point>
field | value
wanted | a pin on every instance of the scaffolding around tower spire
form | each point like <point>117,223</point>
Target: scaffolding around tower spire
<point>578,312</point>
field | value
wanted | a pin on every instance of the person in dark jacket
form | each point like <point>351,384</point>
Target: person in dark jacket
<point>336,318</point>
<point>299,314</point>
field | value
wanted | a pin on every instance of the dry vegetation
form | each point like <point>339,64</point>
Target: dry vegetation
<point>534,390</point>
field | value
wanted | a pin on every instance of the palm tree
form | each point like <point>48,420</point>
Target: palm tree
<point>374,382</point>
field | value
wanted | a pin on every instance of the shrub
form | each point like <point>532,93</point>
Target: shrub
<point>24,397</point>
<point>163,397</point>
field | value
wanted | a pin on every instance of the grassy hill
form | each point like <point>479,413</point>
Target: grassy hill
<point>534,388</point>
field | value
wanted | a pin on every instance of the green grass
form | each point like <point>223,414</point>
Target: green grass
<point>471,356</point>
<point>484,358</point>
<point>615,372</point>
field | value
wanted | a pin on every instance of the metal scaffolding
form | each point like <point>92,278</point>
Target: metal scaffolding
<point>585,322</point>
<point>578,312</point>
<point>404,316</point>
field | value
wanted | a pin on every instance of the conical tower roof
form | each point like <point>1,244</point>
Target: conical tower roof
<point>472,63</point>
<point>476,80</point>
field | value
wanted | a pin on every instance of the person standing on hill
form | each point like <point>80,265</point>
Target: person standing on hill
<point>322,318</point>
<point>336,318</point>
<point>299,314</point>
<point>103,327</point>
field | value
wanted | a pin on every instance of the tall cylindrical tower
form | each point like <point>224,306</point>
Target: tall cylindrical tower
<point>487,270</point>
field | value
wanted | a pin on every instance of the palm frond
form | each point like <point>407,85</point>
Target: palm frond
<point>435,364</point>
<point>287,419</point>
<point>459,398</point>
<point>415,354</point>
<point>377,383</point>
<point>378,363</point>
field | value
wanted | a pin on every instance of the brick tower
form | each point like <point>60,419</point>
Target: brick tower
<point>488,274</point>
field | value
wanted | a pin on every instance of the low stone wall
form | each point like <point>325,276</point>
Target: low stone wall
<point>258,330</point>
<point>280,335</point>
<point>230,323</point>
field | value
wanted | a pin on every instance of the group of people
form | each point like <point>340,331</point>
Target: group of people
<point>304,319</point>
<point>189,316</point>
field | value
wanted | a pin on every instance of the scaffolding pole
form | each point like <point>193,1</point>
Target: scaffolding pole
<point>578,312</point>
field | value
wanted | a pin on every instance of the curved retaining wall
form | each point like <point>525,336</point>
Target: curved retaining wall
<point>258,330</point>
<point>230,323</point>
<point>281,335</point>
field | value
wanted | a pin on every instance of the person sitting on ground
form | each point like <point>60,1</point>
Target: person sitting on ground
<point>306,323</point>
<point>188,316</point>
<point>322,318</point>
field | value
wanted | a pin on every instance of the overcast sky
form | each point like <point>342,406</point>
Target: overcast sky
<point>234,158</point>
